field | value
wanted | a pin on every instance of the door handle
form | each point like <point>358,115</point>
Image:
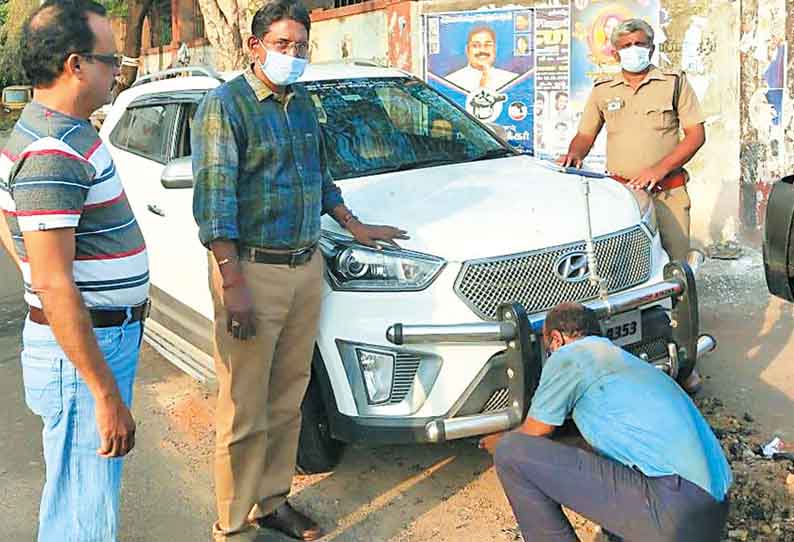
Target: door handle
<point>155,209</point>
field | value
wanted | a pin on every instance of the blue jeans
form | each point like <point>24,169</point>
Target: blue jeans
<point>80,501</point>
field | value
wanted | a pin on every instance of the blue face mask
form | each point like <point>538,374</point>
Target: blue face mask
<point>281,69</point>
<point>635,59</point>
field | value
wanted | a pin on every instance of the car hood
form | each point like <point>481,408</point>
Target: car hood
<point>488,208</point>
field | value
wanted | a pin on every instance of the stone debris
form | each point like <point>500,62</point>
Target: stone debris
<point>762,496</point>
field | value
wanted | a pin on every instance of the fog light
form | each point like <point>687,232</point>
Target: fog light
<point>377,369</point>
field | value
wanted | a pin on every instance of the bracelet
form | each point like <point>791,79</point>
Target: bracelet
<point>345,220</point>
<point>225,261</point>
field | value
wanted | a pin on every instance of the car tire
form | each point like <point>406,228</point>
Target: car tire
<point>318,451</point>
<point>778,248</point>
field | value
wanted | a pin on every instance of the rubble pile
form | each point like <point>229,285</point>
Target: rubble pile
<point>762,497</point>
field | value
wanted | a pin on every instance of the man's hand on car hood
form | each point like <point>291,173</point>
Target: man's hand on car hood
<point>369,234</point>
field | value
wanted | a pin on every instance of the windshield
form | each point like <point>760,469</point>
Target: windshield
<point>377,125</point>
<point>15,95</point>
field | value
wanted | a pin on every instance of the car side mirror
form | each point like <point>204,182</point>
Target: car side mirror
<point>178,173</point>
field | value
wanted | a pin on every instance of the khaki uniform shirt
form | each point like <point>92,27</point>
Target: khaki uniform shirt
<point>643,126</point>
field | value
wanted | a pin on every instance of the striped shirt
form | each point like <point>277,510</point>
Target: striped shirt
<point>55,172</point>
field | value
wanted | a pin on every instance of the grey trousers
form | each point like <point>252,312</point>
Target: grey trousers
<point>539,475</point>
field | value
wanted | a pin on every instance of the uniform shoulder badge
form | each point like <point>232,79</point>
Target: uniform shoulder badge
<point>603,79</point>
<point>672,72</point>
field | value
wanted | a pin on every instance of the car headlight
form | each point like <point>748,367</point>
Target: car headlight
<point>647,210</point>
<point>352,266</point>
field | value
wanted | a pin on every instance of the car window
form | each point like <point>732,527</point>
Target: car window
<point>184,126</point>
<point>146,131</point>
<point>372,125</point>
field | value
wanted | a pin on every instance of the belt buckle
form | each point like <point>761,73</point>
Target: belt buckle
<point>295,256</point>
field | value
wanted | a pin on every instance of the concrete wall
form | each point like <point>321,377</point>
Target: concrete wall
<point>767,147</point>
<point>702,39</point>
<point>157,60</point>
<point>359,36</point>
<point>384,31</point>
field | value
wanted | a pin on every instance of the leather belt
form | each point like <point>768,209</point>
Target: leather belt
<point>675,179</point>
<point>99,317</point>
<point>291,258</point>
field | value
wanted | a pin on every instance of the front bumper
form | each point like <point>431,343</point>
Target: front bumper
<point>521,361</point>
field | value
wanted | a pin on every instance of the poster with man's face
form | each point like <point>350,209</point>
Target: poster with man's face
<point>484,61</point>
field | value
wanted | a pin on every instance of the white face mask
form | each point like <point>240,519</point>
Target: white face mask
<point>282,69</point>
<point>635,59</point>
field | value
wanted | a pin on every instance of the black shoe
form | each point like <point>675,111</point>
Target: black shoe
<point>291,522</point>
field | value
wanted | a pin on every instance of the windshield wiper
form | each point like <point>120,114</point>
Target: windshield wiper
<point>490,154</point>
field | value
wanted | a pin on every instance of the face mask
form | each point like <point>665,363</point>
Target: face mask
<point>635,59</point>
<point>281,69</point>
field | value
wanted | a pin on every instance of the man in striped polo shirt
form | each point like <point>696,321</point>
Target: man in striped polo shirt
<point>72,233</point>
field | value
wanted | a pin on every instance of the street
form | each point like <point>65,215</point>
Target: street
<point>442,493</point>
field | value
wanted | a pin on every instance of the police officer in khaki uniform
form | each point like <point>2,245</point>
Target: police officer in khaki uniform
<point>644,108</point>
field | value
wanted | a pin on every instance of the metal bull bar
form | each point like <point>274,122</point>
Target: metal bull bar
<point>523,364</point>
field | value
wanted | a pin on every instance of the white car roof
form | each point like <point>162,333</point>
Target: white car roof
<point>314,72</point>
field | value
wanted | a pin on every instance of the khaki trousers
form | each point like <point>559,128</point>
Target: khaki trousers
<point>672,212</point>
<point>261,384</point>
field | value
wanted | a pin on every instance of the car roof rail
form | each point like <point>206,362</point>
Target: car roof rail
<point>367,62</point>
<point>183,71</point>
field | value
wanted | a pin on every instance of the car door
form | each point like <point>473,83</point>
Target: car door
<point>141,144</point>
<point>188,280</point>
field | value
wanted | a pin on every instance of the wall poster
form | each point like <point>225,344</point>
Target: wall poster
<point>484,60</point>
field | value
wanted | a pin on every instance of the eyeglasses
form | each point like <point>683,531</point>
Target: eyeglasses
<point>300,48</point>
<point>114,60</point>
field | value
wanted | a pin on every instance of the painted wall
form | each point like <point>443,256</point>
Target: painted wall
<point>151,62</point>
<point>702,39</point>
<point>766,115</point>
<point>359,36</point>
<point>383,31</point>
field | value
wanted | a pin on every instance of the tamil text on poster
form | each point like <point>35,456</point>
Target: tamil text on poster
<point>552,67</point>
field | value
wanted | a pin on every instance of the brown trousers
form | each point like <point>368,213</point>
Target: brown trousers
<point>261,384</point>
<point>672,212</point>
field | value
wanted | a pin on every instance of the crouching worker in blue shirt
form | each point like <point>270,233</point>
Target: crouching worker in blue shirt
<point>658,472</point>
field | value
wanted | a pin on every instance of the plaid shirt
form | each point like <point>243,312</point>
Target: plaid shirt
<point>259,167</point>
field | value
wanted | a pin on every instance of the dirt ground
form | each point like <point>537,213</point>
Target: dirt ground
<point>442,493</point>
<point>450,492</point>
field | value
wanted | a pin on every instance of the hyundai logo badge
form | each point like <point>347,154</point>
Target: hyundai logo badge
<point>572,267</point>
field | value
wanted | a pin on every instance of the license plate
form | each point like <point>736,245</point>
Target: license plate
<point>623,329</point>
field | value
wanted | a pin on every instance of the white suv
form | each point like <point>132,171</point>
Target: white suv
<point>437,339</point>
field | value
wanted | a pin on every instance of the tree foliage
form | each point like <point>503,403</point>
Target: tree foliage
<point>3,12</point>
<point>116,8</point>
<point>16,11</point>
